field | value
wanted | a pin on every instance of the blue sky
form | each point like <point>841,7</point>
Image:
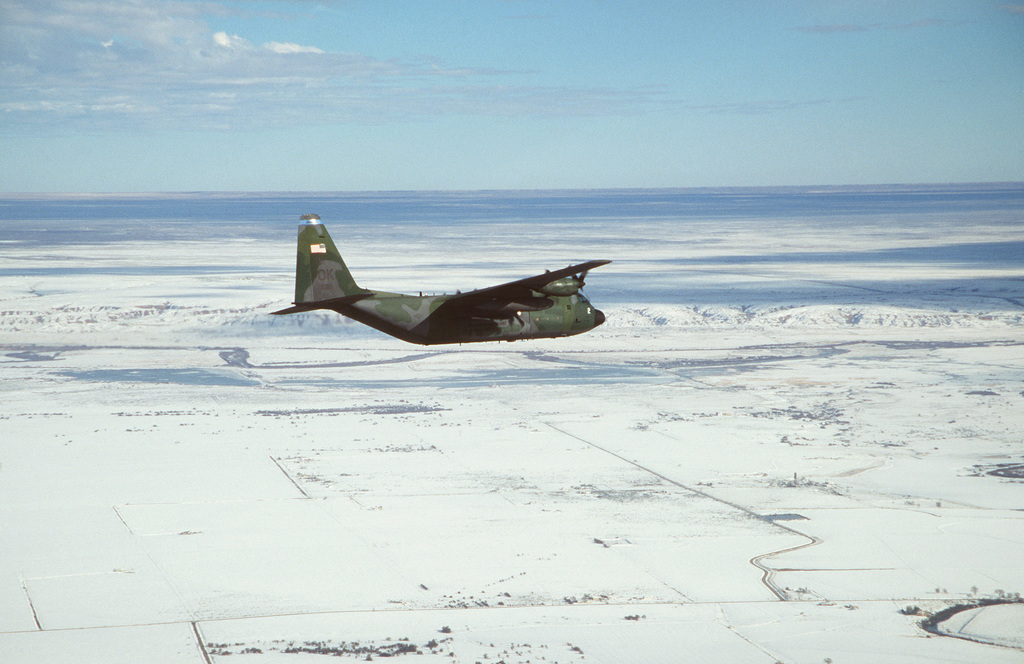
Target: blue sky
<point>158,95</point>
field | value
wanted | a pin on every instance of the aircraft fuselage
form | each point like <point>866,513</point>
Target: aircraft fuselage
<point>424,320</point>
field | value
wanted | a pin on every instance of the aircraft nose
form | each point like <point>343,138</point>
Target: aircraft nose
<point>598,317</point>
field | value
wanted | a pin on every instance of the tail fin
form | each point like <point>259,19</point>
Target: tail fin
<point>320,272</point>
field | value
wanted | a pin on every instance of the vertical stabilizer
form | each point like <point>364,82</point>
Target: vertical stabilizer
<point>320,272</point>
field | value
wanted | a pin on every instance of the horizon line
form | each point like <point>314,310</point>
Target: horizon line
<point>314,192</point>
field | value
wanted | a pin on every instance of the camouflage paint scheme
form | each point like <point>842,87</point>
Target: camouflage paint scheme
<point>547,305</point>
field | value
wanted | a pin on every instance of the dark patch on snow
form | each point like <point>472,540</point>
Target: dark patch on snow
<point>785,517</point>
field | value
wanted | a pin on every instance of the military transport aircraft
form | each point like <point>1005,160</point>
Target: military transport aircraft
<point>547,305</point>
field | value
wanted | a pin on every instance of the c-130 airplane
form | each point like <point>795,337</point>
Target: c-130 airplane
<point>544,306</point>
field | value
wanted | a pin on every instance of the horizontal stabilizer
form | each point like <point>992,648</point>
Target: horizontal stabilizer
<point>333,304</point>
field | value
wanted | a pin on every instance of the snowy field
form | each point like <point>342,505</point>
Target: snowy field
<point>790,430</point>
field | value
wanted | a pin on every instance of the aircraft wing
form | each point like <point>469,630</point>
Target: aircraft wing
<point>515,291</point>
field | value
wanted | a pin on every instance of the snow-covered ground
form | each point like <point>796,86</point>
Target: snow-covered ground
<point>778,441</point>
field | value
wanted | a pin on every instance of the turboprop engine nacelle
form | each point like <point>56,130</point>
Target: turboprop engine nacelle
<point>566,286</point>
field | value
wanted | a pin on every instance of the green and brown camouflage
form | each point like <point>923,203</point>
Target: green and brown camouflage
<point>544,306</point>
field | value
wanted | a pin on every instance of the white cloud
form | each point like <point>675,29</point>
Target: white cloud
<point>63,61</point>
<point>287,47</point>
<point>229,41</point>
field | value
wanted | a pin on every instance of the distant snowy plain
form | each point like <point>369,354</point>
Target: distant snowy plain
<point>781,441</point>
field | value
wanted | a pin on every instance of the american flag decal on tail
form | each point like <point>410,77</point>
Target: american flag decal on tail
<point>318,248</point>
